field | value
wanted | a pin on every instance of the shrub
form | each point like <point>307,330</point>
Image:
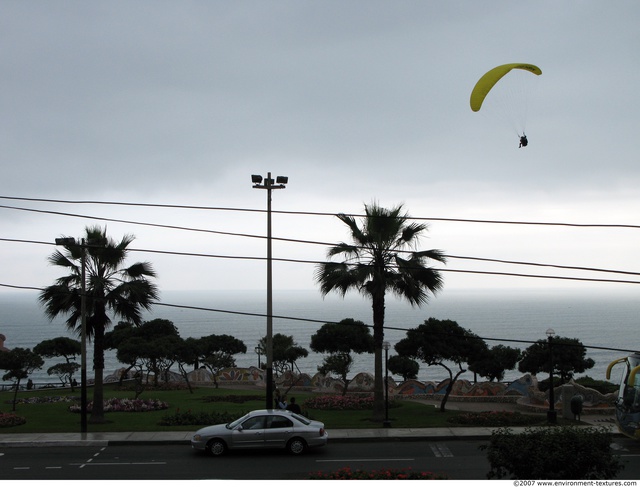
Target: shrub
<point>234,398</point>
<point>494,418</point>
<point>8,420</point>
<point>602,386</point>
<point>117,405</point>
<point>564,453</point>
<point>200,418</point>
<point>335,402</point>
<point>383,474</point>
<point>162,386</point>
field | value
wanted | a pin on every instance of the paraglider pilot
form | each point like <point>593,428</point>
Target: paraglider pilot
<point>523,141</point>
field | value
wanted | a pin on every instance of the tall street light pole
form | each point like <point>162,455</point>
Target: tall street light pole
<point>67,242</point>
<point>268,184</point>
<point>386,346</point>
<point>552,416</point>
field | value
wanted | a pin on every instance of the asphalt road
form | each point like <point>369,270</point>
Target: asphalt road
<point>456,458</point>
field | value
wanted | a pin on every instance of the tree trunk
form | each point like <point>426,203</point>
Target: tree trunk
<point>346,385</point>
<point>15,395</point>
<point>185,375</point>
<point>449,389</point>
<point>97,411</point>
<point>378,338</point>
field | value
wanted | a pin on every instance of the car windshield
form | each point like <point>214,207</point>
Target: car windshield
<point>235,423</point>
<point>302,419</point>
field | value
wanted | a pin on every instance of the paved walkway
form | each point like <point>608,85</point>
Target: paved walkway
<point>373,434</point>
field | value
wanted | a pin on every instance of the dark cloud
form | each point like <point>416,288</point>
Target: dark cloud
<point>355,101</point>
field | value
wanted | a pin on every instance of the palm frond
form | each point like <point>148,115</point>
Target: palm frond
<point>347,250</point>
<point>432,254</point>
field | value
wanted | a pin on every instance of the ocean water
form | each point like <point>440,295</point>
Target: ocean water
<point>598,320</point>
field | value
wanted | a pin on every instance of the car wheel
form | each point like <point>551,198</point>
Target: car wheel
<point>296,446</point>
<point>216,447</point>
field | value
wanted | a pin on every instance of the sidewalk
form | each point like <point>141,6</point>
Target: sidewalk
<point>337,435</point>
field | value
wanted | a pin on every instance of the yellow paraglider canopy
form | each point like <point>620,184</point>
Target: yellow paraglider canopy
<point>488,81</point>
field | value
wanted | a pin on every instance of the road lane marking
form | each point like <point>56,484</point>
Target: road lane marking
<point>440,450</point>
<point>101,464</point>
<point>368,460</point>
<point>82,465</point>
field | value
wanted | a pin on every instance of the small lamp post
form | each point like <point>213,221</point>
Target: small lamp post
<point>386,346</point>
<point>258,350</point>
<point>552,415</point>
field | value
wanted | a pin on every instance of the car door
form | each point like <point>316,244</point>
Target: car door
<point>250,434</point>
<point>278,431</point>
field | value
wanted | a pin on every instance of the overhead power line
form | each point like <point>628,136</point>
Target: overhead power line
<point>314,213</point>
<point>316,262</point>
<point>290,240</point>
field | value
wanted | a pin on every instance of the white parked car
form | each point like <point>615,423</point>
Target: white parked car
<point>265,428</point>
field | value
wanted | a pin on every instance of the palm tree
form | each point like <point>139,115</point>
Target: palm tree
<point>110,289</point>
<point>372,265</point>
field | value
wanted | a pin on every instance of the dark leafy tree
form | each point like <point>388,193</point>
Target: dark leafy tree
<point>569,357</point>
<point>150,347</point>
<point>185,353</point>
<point>286,352</point>
<point>131,353</point>
<point>119,339</point>
<point>160,338</point>
<point>495,361</point>
<point>19,363</point>
<point>216,353</point>
<point>339,340</point>
<point>442,343</point>
<point>61,347</point>
<point>405,367</point>
<point>338,363</point>
<point>374,264</point>
<point>111,289</point>
<point>65,372</point>
<point>158,356</point>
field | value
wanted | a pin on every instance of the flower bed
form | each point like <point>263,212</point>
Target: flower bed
<point>383,474</point>
<point>44,399</point>
<point>116,405</point>
<point>9,419</point>
<point>334,402</point>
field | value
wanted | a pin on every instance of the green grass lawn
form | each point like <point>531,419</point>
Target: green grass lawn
<point>56,417</point>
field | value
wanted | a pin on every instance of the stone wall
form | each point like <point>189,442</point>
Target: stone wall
<point>523,391</point>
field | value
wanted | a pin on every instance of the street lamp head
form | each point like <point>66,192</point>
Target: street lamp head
<point>386,345</point>
<point>282,179</point>
<point>256,178</point>
<point>550,332</point>
<point>65,241</point>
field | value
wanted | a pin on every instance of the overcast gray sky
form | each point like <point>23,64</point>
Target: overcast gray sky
<point>179,102</point>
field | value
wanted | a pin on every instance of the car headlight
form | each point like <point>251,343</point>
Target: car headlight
<point>197,438</point>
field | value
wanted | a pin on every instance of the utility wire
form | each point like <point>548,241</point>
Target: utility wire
<point>316,213</point>
<point>282,239</point>
<point>314,262</point>
<point>158,225</point>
